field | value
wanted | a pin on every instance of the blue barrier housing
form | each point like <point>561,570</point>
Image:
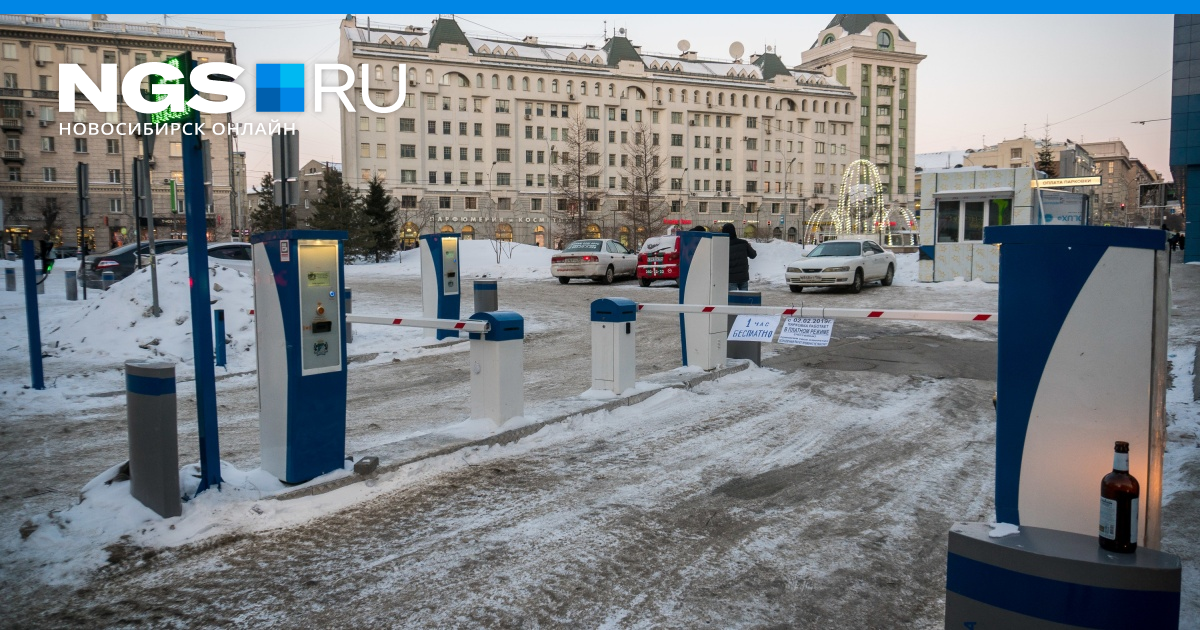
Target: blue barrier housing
<point>505,326</point>
<point>614,310</point>
<point>740,297</point>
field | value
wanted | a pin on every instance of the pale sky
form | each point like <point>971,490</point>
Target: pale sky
<point>985,78</point>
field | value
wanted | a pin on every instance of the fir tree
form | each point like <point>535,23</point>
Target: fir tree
<point>379,222</point>
<point>267,216</point>
<point>339,208</point>
<point>1045,159</point>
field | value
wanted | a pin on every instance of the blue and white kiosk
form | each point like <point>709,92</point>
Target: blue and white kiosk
<point>441,282</point>
<point>300,333</point>
<point>704,279</point>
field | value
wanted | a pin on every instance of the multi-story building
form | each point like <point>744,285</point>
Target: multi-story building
<point>1118,201</point>
<point>312,184</point>
<point>1185,123</point>
<point>39,162</point>
<point>478,143</point>
<point>878,62</point>
<point>1070,159</point>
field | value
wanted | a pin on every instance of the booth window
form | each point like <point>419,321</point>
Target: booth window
<point>963,221</point>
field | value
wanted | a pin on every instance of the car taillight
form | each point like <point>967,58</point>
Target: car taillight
<point>590,259</point>
<point>671,257</point>
<point>106,263</point>
<point>641,259</point>
<point>557,259</point>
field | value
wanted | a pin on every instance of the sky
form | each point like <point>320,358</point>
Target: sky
<point>986,78</point>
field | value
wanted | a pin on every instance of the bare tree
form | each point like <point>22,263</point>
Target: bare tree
<point>641,182</point>
<point>420,216</point>
<point>499,233</point>
<point>578,178</point>
<point>48,210</point>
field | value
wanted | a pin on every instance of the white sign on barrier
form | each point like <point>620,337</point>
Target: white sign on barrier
<point>806,331</point>
<point>754,328</point>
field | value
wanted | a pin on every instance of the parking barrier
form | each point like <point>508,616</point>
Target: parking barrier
<point>467,325</point>
<point>823,312</point>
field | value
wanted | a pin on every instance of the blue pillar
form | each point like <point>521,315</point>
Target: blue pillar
<point>220,340</point>
<point>195,201</point>
<point>1191,246</point>
<point>31,316</point>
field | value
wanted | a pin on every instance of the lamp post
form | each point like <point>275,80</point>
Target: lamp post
<point>787,186</point>
<point>549,189</point>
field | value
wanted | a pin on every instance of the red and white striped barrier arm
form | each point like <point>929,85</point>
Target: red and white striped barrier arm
<point>822,312</point>
<point>467,325</point>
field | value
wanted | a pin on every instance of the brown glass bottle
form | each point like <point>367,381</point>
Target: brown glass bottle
<point>1119,505</point>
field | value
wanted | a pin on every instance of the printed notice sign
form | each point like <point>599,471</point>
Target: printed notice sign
<point>754,328</point>
<point>285,251</point>
<point>806,331</point>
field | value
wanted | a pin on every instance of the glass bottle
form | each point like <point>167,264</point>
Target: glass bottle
<point>1119,505</point>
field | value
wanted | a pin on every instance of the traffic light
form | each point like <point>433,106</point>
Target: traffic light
<point>1122,206</point>
<point>47,251</point>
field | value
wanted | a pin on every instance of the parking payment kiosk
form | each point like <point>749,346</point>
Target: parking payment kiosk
<point>440,279</point>
<point>300,332</point>
<point>704,279</point>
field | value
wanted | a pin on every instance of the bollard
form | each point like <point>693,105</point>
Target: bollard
<point>41,282</point>
<point>486,298</point>
<point>614,326</point>
<point>153,436</point>
<point>498,367</point>
<point>72,283</point>
<point>219,324</point>
<point>106,279</point>
<point>745,349</point>
<point>347,305</point>
<point>10,279</point>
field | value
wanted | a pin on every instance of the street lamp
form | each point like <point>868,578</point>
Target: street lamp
<point>549,189</point>
<point>787,186</point>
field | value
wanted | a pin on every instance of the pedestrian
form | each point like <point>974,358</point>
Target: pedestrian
<point>1181,236</point>
<point>740,253</point>
<point>1173,241</point>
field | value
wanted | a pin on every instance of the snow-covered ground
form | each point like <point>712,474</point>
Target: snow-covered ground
<point>783,418</point>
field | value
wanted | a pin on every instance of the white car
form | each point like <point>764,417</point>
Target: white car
<point>233,255</point>
<point>602,259</point>
<point>842,263</point>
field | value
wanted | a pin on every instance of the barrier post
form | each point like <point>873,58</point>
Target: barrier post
<point>703,279</point>
<point>486,295</point>
<point>497,367</point>
<point>745,349</point>
<point>32,318</point>
<point>614,327</point>
<point>10,279</point>
<point>106,279</point>
<point>153,436</point>
<point>40,281</point>
<point>219,323</point>
<point>72,282</point>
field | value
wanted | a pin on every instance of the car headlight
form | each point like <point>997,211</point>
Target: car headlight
<point>793,270</point>
<point>836,269</point>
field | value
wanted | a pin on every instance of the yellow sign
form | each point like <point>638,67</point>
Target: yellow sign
<point>1065,182</point>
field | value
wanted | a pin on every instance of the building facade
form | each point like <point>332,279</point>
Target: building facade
<point>877,61</point>
<point>39,162</point>
<point>480,142</point>
<point>1118,202</point>
<point>1185,123</point>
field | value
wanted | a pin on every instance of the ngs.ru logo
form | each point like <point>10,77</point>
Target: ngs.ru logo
<point>279,87</point>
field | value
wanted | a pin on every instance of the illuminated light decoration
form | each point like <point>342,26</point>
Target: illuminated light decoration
<point>183,63</point>
<point>861,209</point>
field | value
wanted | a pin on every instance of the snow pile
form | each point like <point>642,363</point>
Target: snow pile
<point>477,259</point>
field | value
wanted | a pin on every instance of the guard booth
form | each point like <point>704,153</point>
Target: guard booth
<point>441,282</point>
<point>300,334</point>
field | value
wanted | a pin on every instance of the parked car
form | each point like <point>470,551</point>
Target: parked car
<point>844,263</point>
<point>121,261</point>
<point>658,259</point>
<point>601,259</point>
<point>66,251</point>
<point>228,254</point>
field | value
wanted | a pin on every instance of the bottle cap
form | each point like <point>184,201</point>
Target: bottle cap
<point>1121,447</point>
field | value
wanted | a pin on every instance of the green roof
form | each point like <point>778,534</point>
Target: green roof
<point>771,66</point>
<point>619,49</point>
<point>446,31</point>
<point>856,23</point>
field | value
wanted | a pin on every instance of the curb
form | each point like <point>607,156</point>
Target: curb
<point>510,436</point>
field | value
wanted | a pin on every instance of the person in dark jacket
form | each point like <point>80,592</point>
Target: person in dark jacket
<point>740,253</point>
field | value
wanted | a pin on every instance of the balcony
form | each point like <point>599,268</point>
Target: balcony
<point>12,124</point>
<point>13,155</point>
<point>7,91</point>
<point>51,94</point>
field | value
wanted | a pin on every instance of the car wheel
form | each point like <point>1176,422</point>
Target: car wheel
<point>858,281</point>
<point>887,280</point>
<point>644,281</point>
<point>563,279</point>
<point>795,289</point>
<point>608,276</point>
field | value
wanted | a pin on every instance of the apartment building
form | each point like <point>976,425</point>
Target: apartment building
<point>878,62</point>
<point>477,145</point>
<point>1117,200</point>
<point>39,162</point>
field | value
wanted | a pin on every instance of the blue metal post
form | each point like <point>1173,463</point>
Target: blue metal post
<point>31,316</point>
<point>195,201</point>
<point>220,340</point>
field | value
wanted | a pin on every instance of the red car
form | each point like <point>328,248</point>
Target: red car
<point>658,260</point>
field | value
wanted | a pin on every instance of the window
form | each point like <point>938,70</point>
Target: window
<point>112,146</point>
<point>593,135</point>
<point>752,122</point>
<point>49,174</point>
<point>478,129</point>
<point>751,165</point>
<point>593,181</point>
<point>462,153</point>
<point>502,106</point>
<point>447,153</point>
<point>380,124</point>
<point>381,150</point>
<point>478,155</point>
<point>408,150</point>
<point>884,39</point>
<point>446,178</point>
<point>433,153</point>
<point>502,130</point>
<point>114,206</point>
<point>752,144</point>
<point>364,150</point>
<point>676,140</point>
<point>10,51</point>
<point>14,175</point>
<point>47,143</point>
<point>503,155</point>
<point>444,203</point>
<point>42,53</point>
<point>963,221</point>
<point>365,174</point>
<point>503,179</point>
<point>1015,154</point>
<point>10,80</point>
<point>110,56</point>
<point>445,127</point>
<point>114,176</point>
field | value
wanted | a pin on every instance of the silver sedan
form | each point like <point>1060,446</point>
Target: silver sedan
<point>601,259</point>
<point>844,263</point>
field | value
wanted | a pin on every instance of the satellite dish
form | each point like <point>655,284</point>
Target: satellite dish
<point>684,45</point>
<point>736,50</point>
<point>622,32</point>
